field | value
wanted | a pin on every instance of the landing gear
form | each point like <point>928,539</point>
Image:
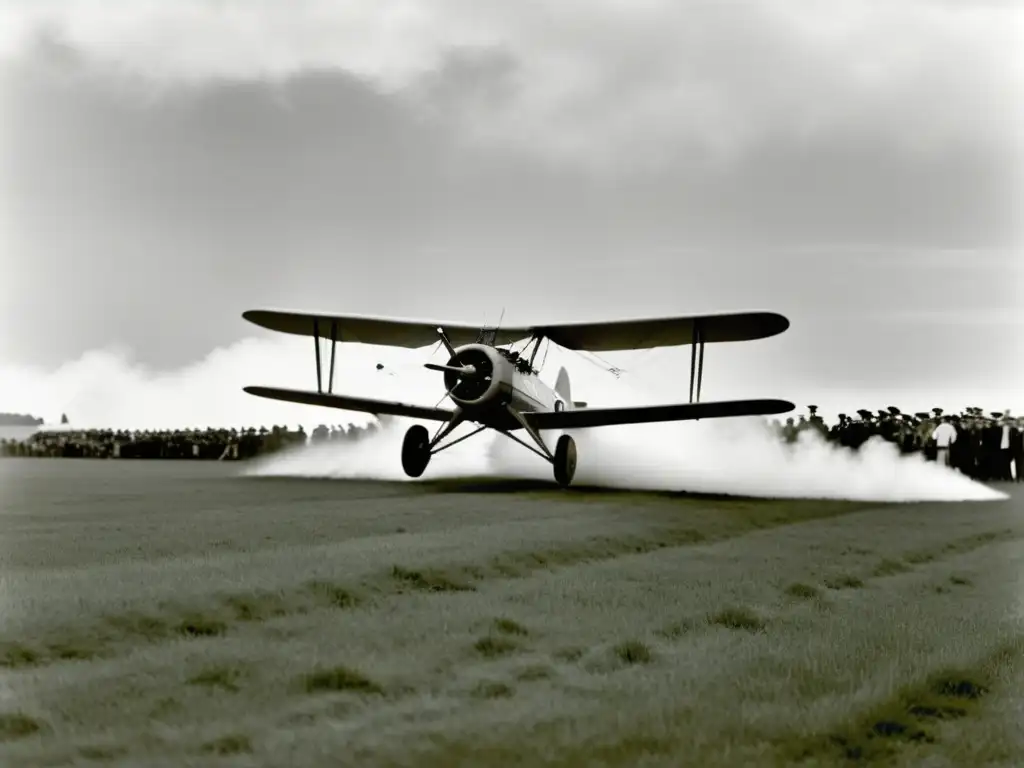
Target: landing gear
<point>565,460</point>
<point>418,446</point>
<point>416,450</point>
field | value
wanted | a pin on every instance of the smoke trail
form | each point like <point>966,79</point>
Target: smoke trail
<point>108,389</point>
<point>732,456</point>
<point>735,456</point>
<point>376,456</point>
<point>745,457</point>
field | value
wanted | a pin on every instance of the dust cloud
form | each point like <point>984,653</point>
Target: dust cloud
<point>109,389</point>
<point>739,457</point>
<point>744,457</point>
<point>106,389</point>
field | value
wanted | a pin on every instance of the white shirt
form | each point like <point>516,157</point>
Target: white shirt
<point>1005,444</point>
<point>944,435</point>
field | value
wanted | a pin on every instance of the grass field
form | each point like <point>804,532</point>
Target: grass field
<point>177,614</point>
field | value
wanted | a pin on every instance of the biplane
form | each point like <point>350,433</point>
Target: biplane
<point>494,386</point>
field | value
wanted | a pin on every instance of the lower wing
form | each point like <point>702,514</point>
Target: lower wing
<point>347,403</point>
<point>606,417</point>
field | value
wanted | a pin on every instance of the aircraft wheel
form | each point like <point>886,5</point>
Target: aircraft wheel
<point>416,450</point>
<point>565,460</point>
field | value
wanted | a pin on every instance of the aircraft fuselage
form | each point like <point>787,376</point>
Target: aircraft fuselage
<point>498,381</point>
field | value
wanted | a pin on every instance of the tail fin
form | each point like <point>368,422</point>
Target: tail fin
<point>562,385</point>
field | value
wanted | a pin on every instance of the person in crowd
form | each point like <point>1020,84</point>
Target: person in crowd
<point>944,436</point>
<point>987,447</point>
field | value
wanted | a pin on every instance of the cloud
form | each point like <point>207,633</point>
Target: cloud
<point>985,318</point>
<point>164,168</point>
<point>605,82</point>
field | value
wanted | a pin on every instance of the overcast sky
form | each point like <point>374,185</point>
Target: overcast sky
<point>852,165</point>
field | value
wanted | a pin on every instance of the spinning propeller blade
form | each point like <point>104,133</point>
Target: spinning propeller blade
<point>467,371</point>
<point>446,342</point>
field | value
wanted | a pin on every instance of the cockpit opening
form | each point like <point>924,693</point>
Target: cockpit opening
<point>521,363</point>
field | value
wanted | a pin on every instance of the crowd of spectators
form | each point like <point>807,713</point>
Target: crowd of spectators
<point>217,444</point>
<point>984,446</point>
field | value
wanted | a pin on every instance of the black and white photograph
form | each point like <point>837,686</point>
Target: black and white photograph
<point>451,383</point>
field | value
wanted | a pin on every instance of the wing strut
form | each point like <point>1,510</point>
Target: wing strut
<point>316,352</point>
<point>698,340</point>
<point>537,339</point>
<point>334,340</point>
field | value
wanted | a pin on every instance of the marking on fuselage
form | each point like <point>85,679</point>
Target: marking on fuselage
<point>533,390</point>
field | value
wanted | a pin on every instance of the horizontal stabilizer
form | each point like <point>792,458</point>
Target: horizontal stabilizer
<point>348,403</point>
<point>645,414</point>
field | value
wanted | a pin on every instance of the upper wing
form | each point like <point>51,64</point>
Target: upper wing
<point>645,414</point>
<point>345,402</point>
<point>600,336</point>
<point>665,331</point>
<point>392,332</point>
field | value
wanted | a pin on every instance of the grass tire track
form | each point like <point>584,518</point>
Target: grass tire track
<point>115,634</point>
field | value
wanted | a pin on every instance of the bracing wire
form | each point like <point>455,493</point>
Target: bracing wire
<point>604,365</point>
<point>643,359</point>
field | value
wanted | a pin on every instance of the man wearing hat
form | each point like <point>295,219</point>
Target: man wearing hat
<point>991,437</point>
<point>835,433</point>
<point>861,431</point>
<point>944,436</point>
<point>1017,449</point>
<point>971,438</point>
<point>1005,455</point>
<point>887,424</point>
<point>923,438</point>
<point>817,422</point>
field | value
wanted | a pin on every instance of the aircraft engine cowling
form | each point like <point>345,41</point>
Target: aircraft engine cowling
<point>489,384</point>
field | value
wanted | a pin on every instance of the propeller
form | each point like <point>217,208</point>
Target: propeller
<point>471,379</point>
<point>463,371</point>
<point>446,342</point>
<point>466,371</point>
